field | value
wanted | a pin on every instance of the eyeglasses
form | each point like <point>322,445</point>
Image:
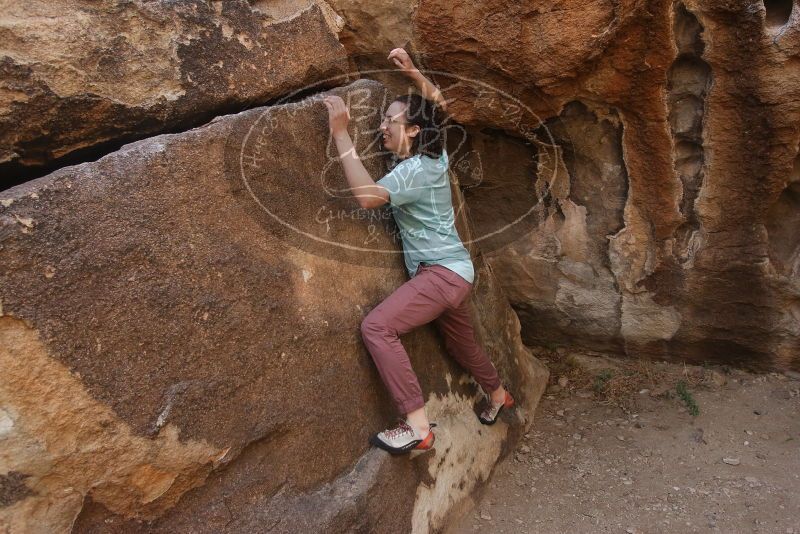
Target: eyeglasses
<point>392,120</point>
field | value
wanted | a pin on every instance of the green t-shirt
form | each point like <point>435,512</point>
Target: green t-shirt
<point>419,193</point>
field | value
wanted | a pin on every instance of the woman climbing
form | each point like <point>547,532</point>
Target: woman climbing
<point>439,266</point>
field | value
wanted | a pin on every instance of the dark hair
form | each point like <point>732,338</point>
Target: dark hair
<point>427,115</point>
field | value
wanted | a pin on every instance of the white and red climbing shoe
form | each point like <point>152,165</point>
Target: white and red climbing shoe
<point>492,411</point>
<point>403,438</point>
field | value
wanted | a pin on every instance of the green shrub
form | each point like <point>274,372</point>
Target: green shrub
<point>601,380</point>
<point>688,399</point>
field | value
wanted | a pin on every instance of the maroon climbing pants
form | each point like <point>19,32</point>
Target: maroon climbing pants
<point>434,293</point>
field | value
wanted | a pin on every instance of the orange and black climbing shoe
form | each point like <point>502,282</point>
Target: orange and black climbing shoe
<point>492,411</point>
<point>403,438</point>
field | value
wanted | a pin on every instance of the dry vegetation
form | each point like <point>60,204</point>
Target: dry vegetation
<point>621,382</point>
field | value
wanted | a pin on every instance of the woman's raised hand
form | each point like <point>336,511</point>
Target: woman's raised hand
<point>402,60</point>
<point>425,86</point>
<point>338,114</point>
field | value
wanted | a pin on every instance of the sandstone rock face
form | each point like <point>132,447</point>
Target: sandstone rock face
<point>77,75</point>
<point>179,321</point>
<point>181,350</point>
<point>658,154</point>
<point>371,29</point>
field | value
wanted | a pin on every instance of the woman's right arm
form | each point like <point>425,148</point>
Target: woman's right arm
<point>425,86</point>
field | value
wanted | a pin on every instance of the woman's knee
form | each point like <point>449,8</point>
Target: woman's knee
<point>372,324</point>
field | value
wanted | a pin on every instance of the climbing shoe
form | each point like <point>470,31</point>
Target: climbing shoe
<point>492,411</point>
<point>403,438</point>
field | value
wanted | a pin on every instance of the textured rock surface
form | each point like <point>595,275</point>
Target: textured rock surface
<point>78,74</point>
<point>179,320</point>
<point>173,363</point>
<point>672,229</point>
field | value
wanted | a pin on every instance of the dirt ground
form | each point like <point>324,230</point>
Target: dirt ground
<point>615,448</point>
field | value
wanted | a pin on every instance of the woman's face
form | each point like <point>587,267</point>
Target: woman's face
<point>397,133</point>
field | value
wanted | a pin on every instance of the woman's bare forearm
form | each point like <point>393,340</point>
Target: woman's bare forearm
<point>428,89</point>
<point>367,193</point>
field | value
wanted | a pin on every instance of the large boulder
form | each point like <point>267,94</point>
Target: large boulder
<point>78,77</point>
<point>669,215</point>
<point>180,344</point>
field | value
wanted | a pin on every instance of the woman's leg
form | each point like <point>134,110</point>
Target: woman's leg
<point>415,303</point>
<point>459,335</point>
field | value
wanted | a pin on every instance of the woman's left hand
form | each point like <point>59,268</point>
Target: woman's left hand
<point>338,114</point>
<point>403,61</point>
